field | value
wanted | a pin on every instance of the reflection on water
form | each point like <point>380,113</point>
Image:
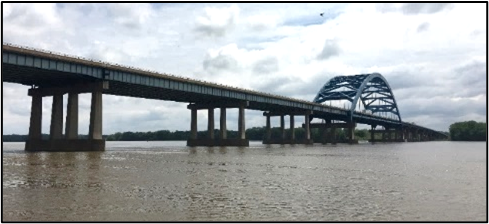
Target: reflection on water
<point>166,181</point>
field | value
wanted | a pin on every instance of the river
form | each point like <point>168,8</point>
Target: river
<point>167,181</point>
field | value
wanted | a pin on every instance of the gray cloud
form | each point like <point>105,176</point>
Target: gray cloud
<point>163,39</point>
<point>266,65</point>
<point>217,21</point>
<point>440,107</point>
<point>413,8</point>
<point>470,80</point>
<point>423,27</point>
<point>219,63</point>
<point>296,88</point>
<point>418,8</point>
<point>404,79</point>
<point>330,49</point>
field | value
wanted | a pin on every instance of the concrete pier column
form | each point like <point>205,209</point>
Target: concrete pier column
<point>308,130</point>
<point>269,131</point>
<point>333,135</point>
<point>210,123</point>
<point>324,135</point>
<point>193,124</point>
<point>71,129</point>
<point>241,123</point>
<point>351,133</point>
<point>292,128</point>
<point>282,126</point>
<point>36,118</point>
<point>396,136</point>
<point>222,123</point>
<point>372,134</point>
<point>95,128</point>
<point>56,129</point>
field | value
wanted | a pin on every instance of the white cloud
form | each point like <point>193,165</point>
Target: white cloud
<point>430,54</point>
<point>217,21</point>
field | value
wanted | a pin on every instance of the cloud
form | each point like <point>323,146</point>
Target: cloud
<point>266,66</point>
<point>129,15</point>
<point>217,21</point>
<point>330,49</point>
<point>432,55</point>
<point>418,8</point>
<point>470,80</point>
<point>423,27</point>
<point>413,8</point>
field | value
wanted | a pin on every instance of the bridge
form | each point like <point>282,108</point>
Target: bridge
<point>53,74</point>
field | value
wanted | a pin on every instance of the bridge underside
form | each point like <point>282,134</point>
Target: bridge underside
<point>52,75</point>
<point>48,79</point>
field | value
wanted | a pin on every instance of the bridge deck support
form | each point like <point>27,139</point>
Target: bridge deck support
<point>70,142</point>
<point>95,128</point>
<point>210,124</point>
<point>268,134</point>
<point>351,133</point>
<point>292,130</point>
<point>56,128</point>
<point>372,134</point>
<point>282,127</point>
<point>71,129</point>
<point>222,123</point>
<point>386,135</point>
<point>308,128</point>
<point>283,136</point>
<point>222,140</point>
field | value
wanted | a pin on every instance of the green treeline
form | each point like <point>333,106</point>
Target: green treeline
<point>468,131</point>
<point>256,133</point>
<point>460,131</point>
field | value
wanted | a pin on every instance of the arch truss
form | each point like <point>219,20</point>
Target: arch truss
<point>371,89</point>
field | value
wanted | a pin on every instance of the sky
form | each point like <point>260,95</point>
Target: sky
<point>433,55</point>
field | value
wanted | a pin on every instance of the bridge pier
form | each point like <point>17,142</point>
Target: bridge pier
<point>210,124</point>
<point>330,137</point>
<point>70,141</point>
<point>387,135</point>
<point>283,136</point>
<point>292,129</point>
<point>222,122</point>
<point>372,133</point>
<point>351,133</point>
<point>56,129</point>
<point>210,140</point>
<point>71,129</point>
<point>282,128</point>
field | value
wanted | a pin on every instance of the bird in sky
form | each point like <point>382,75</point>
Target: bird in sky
<point>321,14</point>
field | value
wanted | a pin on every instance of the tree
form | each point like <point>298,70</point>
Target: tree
<point>468,131</point>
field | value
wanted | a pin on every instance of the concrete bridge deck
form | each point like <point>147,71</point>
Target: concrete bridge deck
<point>52,74</point>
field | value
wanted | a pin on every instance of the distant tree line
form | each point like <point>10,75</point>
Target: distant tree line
<point>256,133</point>
<point>468,131</point>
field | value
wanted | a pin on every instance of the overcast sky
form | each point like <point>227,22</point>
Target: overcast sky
<point>432,55</point>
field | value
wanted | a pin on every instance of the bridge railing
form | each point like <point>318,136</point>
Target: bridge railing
<point>159,74</point>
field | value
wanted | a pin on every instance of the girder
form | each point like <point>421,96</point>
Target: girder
<point>371,89</point>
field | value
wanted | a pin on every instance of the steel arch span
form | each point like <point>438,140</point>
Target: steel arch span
<point>372,89</point>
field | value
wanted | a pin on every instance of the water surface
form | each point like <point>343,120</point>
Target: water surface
<point>166,181</point>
